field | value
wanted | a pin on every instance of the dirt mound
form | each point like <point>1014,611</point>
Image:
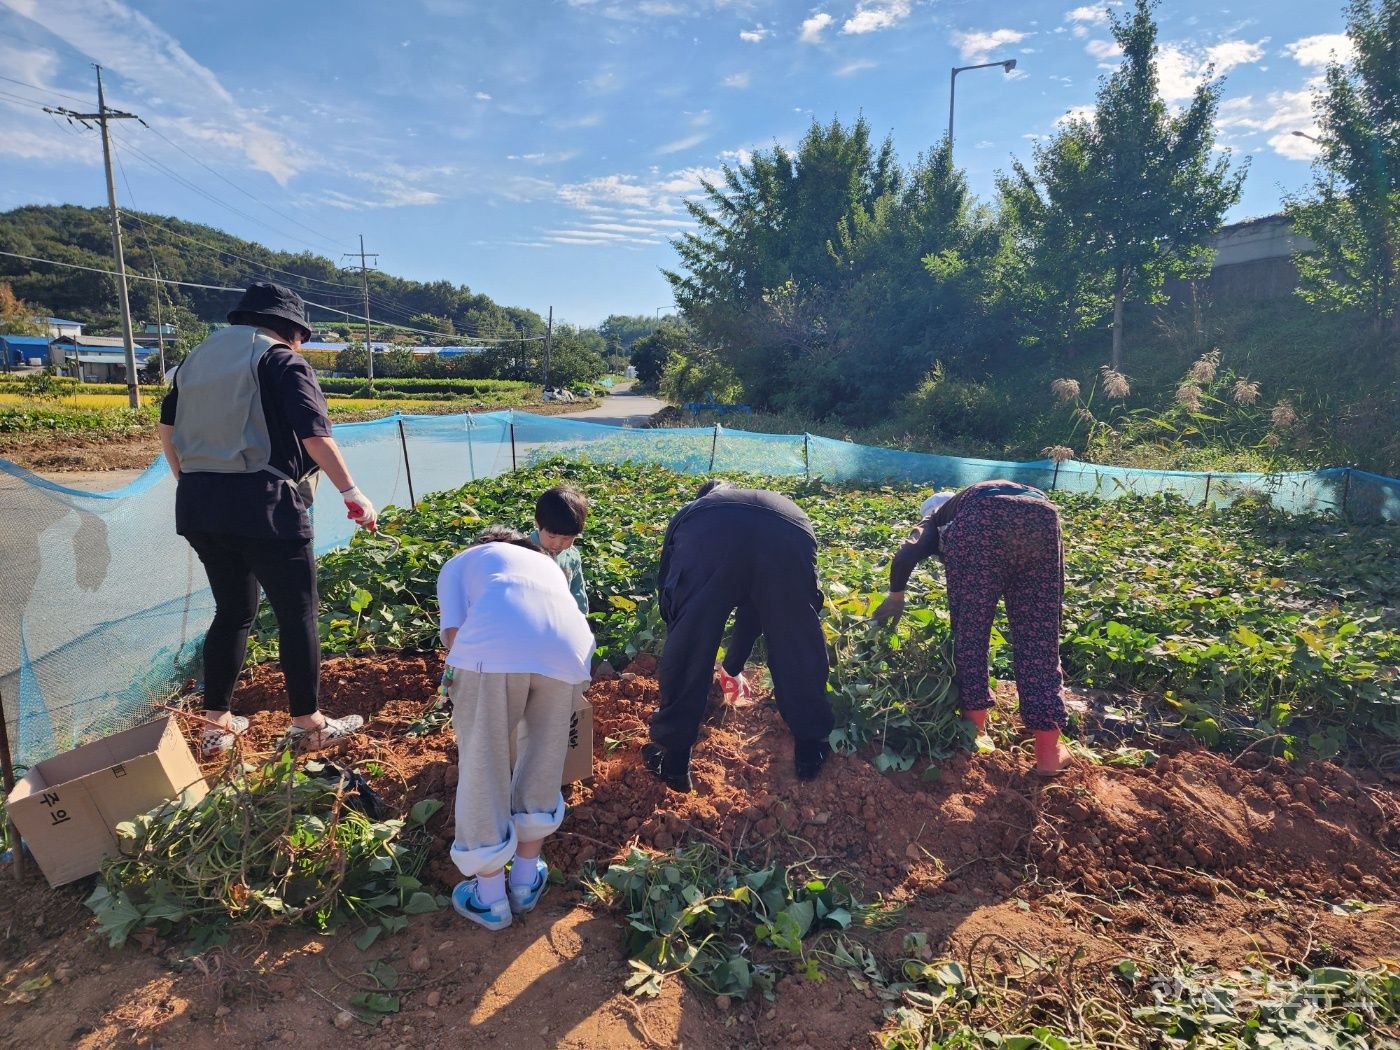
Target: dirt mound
<point>1196,822</point>
<point>1197,819</point>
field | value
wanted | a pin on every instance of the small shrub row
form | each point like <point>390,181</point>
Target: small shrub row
<point>458,387</point>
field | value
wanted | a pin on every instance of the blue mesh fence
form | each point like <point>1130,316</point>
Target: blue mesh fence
<point>103,610</point>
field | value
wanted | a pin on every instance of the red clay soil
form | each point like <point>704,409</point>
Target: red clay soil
<point>989,860</point>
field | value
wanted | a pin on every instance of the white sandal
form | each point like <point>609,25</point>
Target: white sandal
<point>335,733</point>
<point>217,739</point>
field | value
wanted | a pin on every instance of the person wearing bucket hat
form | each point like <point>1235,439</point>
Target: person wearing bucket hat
<point>245,432</point>
<point>999,541</point>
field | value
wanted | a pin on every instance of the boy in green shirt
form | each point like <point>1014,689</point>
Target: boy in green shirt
<point>560,514</point>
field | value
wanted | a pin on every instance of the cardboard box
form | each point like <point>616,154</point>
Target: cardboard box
<point>578,761</point>
<point>67,807</point>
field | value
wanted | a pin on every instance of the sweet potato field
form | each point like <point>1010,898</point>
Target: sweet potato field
<point>1218,869</point>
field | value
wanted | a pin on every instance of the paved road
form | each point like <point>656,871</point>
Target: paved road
<point>621,409</point>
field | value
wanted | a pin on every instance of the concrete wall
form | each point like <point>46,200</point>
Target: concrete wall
<point>1256,240</point>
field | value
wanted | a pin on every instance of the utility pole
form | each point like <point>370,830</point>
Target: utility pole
<point>364,280</point>
<point>102,116</point>
<point>160,324</point>
<point>548,344</point>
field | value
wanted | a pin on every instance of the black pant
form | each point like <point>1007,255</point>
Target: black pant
<point>749,560</point>
<point>286,569</point>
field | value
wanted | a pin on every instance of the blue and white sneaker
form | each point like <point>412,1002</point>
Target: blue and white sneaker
<point>524,898</point>
<point>493,916</point>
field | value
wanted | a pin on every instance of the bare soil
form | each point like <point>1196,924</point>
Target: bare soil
<point>1163,862</point>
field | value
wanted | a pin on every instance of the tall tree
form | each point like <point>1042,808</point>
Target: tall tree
<point>1353,213</point>
<point>1120,201</point>
<point>17,316</point>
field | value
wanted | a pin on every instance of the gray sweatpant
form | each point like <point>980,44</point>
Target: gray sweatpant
<point>499,804</point>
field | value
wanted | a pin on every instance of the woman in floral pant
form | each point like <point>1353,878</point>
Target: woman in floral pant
<point>999,541</point>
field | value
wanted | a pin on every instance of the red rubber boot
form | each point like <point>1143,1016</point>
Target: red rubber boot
<point>977,717</point>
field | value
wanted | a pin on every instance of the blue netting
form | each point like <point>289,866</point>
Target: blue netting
<point>103,610</point>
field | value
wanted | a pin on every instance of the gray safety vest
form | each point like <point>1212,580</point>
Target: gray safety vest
<point>219,423</point>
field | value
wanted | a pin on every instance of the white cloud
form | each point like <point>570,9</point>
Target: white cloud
<point>857,66</point>
<point>1294,147</point>
<point>1090,13</point>
<point>737,80</point>
<point>1321,49</point>
<point>1075,113</point>
<point>1279,112</point>
<point>482,96</point>
<point>812,28</point>
<point>754,35</point>
<point>684,143</point>
<point>1103,50</point>
<point>544,158</point>
<point>154,65</point>
<point>977,46</point>
<point>656,199</point>
<point>1228,54</point>
<point>1181,70</point>
<point>737,156</point>
<point>873,15</point>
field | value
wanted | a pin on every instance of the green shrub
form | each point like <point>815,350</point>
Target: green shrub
<point>957,407</point>
<point>698,379</point>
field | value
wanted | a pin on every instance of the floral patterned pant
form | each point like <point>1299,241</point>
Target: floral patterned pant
<point>1008,547</point>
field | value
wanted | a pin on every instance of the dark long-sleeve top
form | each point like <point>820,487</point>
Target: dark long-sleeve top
<point>925,540</point>
<point>728,497</point>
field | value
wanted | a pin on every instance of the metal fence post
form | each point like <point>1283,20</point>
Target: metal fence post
<point>471,458</point>
<point>714,444</point>
<point>1206,502</point>
<point>512,440</point>
<point>407,468</point>
<point>807,454</point>
<point>1346,490</point>
<point>1056,479</point>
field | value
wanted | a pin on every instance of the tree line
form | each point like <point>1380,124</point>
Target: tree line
<point>832,281</point>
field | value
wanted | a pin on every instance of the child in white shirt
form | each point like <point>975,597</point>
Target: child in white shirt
<point>519,652</point>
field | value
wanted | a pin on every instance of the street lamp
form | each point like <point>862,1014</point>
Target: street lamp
<point>1305,135</point>
<point>1007,66</point>
<point>660,308</point>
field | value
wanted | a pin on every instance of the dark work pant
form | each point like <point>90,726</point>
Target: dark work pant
<point>742,639</point>
<point>236,565</point>
<point>752,561</point>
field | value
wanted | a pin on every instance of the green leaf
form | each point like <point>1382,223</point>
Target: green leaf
<point>420,904</point>
<point>376,1002</point>
<point>423,811</point>
<point>368,937</point>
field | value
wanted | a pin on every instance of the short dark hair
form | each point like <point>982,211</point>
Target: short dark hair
<point>710,486</point>
<point>561,510</point>
<point>505,534</point>
<point>288,330</point>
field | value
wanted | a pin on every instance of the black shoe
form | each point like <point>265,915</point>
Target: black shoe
<point>809,756</point>
<point>672,768</point>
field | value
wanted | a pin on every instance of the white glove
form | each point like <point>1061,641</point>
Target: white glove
<point>358,508</point>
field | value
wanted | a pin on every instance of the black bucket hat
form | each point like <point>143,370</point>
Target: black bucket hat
<point>264,299</point>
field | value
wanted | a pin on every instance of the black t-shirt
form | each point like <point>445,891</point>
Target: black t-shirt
<point>260,504</point>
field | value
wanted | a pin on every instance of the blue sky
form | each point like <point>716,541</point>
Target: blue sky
<point>539,151</point>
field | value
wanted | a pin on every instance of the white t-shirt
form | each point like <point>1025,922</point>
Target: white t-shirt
<point>513,613</point>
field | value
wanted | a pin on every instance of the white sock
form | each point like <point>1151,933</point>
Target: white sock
<point>522,872</point>
<point>491,888</point>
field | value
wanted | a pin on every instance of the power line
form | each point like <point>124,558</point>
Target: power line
<point>226,288</point>
<point>329,240</point>
<point>40,87</point>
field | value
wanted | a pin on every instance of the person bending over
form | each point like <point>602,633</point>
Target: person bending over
<point>750,549</point>
<point>999,541</point>
<point>519,651</point>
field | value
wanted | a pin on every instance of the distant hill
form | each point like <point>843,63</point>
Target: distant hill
<point>187,251</point>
